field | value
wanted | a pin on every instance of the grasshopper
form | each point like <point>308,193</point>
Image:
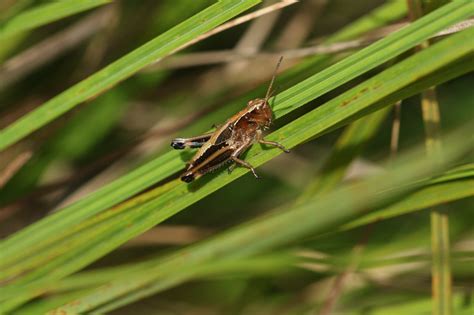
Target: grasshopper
<point>231,139</point>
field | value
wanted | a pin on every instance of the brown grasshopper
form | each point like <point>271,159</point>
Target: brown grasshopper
<point>230,140</point>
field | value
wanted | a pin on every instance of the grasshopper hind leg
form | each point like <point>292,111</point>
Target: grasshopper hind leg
<point>235,157</point>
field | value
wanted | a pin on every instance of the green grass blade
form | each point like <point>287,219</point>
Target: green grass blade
<point>45,14</point>
<point>291,99</point>
<point>175,196</point>
<point>123,68</point>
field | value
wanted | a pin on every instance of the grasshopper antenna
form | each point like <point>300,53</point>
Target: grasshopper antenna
<point>269,91</point>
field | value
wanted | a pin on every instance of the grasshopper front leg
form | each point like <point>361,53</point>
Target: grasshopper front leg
<point>193,142</point>
<point>261,140</point>
<point>274,144</point>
